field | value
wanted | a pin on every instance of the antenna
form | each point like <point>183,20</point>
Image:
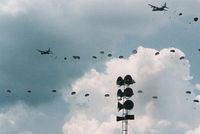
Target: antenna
<point>124,104</point>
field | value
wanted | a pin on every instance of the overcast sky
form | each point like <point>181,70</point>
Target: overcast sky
<point>84,28</point>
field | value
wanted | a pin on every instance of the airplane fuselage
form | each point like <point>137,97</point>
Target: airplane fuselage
<point>42,53</point>
<point>158,9</point>
<point>45,52</point>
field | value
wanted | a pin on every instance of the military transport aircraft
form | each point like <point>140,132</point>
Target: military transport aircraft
<point>43,52</point>
<point>162,8</point>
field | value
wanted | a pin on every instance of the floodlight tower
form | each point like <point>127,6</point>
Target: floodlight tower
<point>124,103</point>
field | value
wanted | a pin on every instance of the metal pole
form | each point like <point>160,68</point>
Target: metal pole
<point>124,122</point>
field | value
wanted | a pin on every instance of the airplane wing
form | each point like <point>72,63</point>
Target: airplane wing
<point>39,50</point>
<point>152,6</point>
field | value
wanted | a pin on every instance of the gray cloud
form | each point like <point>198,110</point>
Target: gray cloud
<point>23,119</point>
<point>70,28</point>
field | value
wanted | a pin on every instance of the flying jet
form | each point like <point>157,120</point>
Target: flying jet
<point>43,52</point>
<point>162,8</point>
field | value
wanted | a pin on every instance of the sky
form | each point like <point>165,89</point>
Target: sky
<point>84,28</point>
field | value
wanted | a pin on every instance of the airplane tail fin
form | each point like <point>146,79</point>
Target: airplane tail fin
<point>165,5</point>
<point>51,52</point>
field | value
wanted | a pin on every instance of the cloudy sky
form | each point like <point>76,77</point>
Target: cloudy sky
<point>84,28</point>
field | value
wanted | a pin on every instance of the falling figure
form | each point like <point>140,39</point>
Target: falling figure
<point>76,57</point>
<point>86,95</point>
<point>157,53</point>
<point>196,19</point>
<point>182,57</point>
<point>172,50</point>
<point>134,51</point>
<point>106,95</point>
<point>9,91</point>
<point>109,55</point>
<point>54,91</point>
<point>73,93</point>
<point>94,57</point>
<point>155,97</point>
<point>188,92</point>
<point>197,101</point>
<point>101,52</point>
<point>121,57</point>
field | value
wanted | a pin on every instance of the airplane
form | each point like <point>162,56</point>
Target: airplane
<point>45,51</point>
<point>162,8</point>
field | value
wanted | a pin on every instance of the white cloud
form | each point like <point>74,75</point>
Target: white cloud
<point>82,124</point>
<point>195,131</point>
<point>163,123</point>
<point>12,6</point>
<point>15,118</point>
<point>182,125</point>
<point>197,97</point>
<point>164,75</point>
<point>197,86</point>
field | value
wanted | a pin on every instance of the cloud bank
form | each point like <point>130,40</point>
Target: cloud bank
<point>163,75</point>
